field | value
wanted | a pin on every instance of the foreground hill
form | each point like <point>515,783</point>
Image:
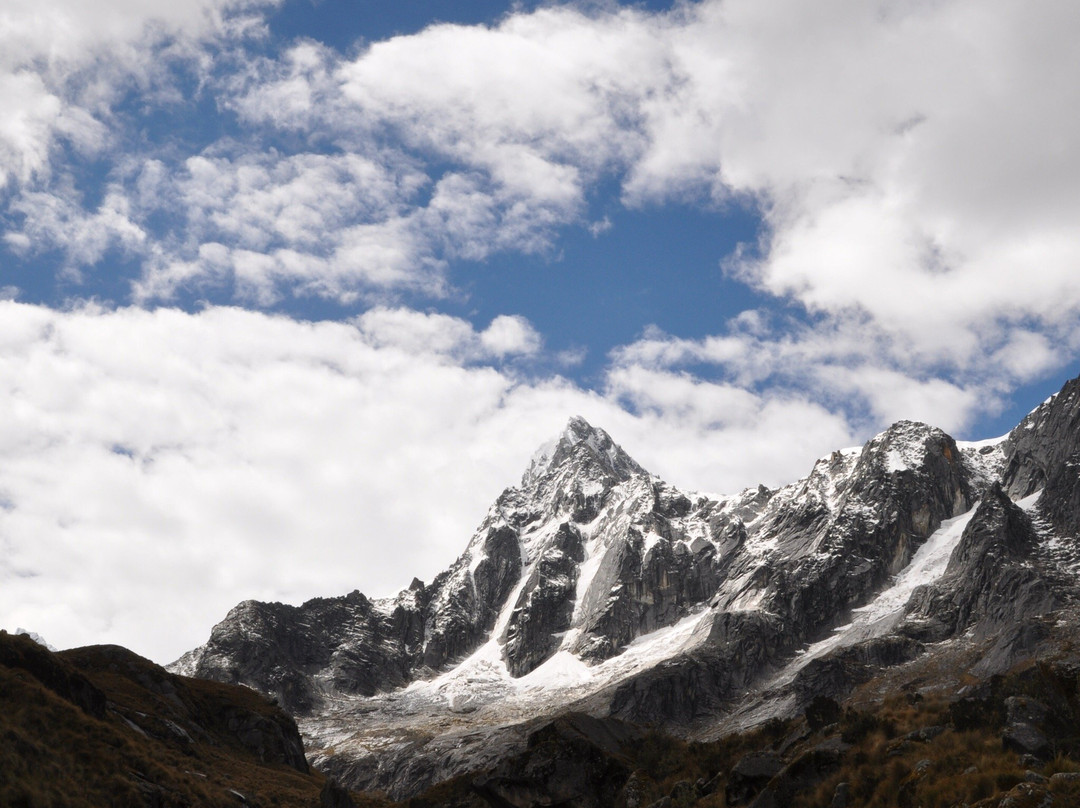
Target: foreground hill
<point>102,726</point>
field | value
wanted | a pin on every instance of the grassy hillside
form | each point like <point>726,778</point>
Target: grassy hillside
<point>102,726</point>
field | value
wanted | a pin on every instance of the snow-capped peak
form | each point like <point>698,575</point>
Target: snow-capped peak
<point>580,440</point>
<point>596,586</point>
<point>541,461</point>
<point>903,446</point>
<point>33,635</point>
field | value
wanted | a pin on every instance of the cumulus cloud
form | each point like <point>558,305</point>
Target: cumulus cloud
<point>439,335</point>
<point>332,225</point>
<point>508,335</point>
<point>475,141</point>
<point>850,365</point>
<point>149,456</point>
<point>59,218</point>
<point>915,189</point>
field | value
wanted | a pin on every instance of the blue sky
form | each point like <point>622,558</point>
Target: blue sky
<point>292,289</point>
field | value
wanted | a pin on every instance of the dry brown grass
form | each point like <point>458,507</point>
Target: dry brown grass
<point>53,754</point>
<point>955,768</point>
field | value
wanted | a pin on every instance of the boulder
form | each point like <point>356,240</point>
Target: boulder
<point>821,712</point>
<point>750,775</point>
<point>1025,739</point>
<point>334,796</point>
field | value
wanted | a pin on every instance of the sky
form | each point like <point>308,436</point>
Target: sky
<point>290,290</point>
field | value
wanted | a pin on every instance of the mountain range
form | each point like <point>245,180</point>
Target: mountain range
<point>594,591</point>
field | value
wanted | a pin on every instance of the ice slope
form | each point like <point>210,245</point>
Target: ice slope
<point>881,615</point>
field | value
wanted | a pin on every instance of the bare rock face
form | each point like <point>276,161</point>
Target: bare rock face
<point>594,586</point>
<point>275,648</point>
<point>545,608</point>
<point>904,484</point>
<point>575,760</point>
<point>1043,453</point>
<point>836,539</point>
<point>654,576</point>
<point>464,602</point>
<point>694,685</point>
<point>989,581</point>
<point>1043,442</point>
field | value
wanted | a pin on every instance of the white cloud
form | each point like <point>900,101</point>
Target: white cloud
<point>918,187</point>
<point>508,335</point>
<point>439,335</point>
<point>511,125</point>
<point>160,466</point>
<point>63,63</point>
<point>321,224</point>
<point>25,131</point>
<point>340,226</point>
<point>852,366</point>
<point>1027,355</point>
<point>528,101</point>
<point>58,217</point>
<point>264,200</point>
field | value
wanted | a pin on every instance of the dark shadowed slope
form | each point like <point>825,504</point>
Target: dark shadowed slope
<point>102,726</point>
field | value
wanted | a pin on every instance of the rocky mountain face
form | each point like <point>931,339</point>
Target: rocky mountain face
<point>587,554</point>
<point>594,586</point>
